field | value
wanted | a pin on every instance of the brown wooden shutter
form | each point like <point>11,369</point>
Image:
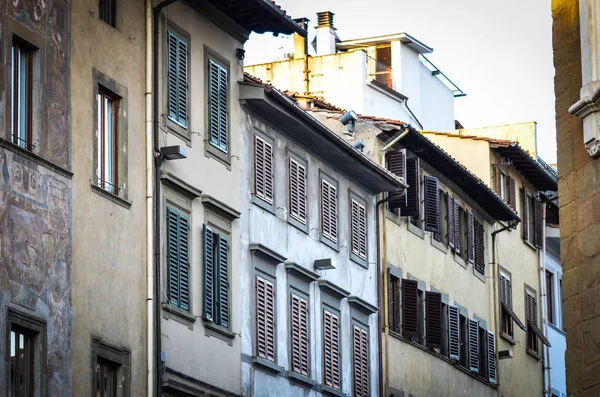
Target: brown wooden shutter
<point>297,191</point>
<point>531,308</point>
<point>470,237</point>
<point>433,302</point>
<point>413,193</point>
<point>456,227</point>
<point>491,356</point>
<point>479,247</point>
<point>525,214</point>
<point>263,169</point>
<point>473,347</point>
<point>538,224</point>
<point>396,163</point>
<point>361,362</point>
<point>265,319</point>
<point>453,333</point>
<point>331,355</point>
<point>512,193</point>
<point>329,210</point>
<point>432,205</point>
<point>497,182</point>
<point>359,230</point>
<point>450,212</point>
<point>299,334</point>
<point>410,309</point>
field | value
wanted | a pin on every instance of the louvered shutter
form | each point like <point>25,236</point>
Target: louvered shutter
<point>184,263</point>
<point>223,305</point>
<point>433,310</point>
<point>396,163</point>
<point>359,230</point>
<point>209,273</point>
<point>531,308</point>
<point>491,356</point>
<point>525,215</point>
<point>331,356</point>
<point>453,333</point>
<point>450,221</point>
<point>505,291</point>
<point>479,247</point>
<point>512,193</point>
<point>432,205</point>
<point>497,181</point>
<point>413,193</point>
<point>361,362</point>
<point>299,337</point>
<point>265,319</point>
<point>473,345</point>
<point>177,81</point>
<point>263,166</point>
<point>456,227</point>
<point>217,106</point>
<point>410,308</point>
<point>538,223</point>
<point>297,191</point>
<point>329,210</point>
<point>470,237</point>
<point>178,259</point>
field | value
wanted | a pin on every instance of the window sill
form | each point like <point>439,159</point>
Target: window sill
<point>267,365</point>
<point>328,242</point>
<point>330,391</point>
<point>216,331</point>
<point>458,259</point>
<point>479,276</point>
<point>112,197</point>
<point>35,158</point>
<point>217,154</point>
<point>303,227</point>
<point>508,338</point>
<point>179,131</point>
<point>439,245</point>
<point>171,312</point>
<point>304,381</point>
<point>557,329</point>
<point>533,354</point>
<point>417,231</point>
<point>358,260</point>
<point>392,216</point>
<point>528,243</point>
<point>262,204</point>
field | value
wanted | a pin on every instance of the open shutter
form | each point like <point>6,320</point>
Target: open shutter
<point>491,356</point>
<point>331,355</point>
<point>413,193</point>
<point>432,205</point>
<point>497,181</point>
<point>525,215</point>
<point>456,228</point>
<point>177,80</point>
<point>410,309</point>
<point>470,237</point>
<point>512,193</point>
<point>359,230</point>
<point>473,345</point>
<point>396,163</point>
<point>333,211</point>
<point>299,337</point>
<point>297,180</point>
<point>361,362</point>
<point>223,281</point>
<point>184,263</point>
<point>453,333</point>
<point>173,256</point>
<point>329,210</point>
<point>479,247</point>
<point>209,273</point>
<point>217,105</point>
<point>263,169</point>
<point>538,223</point>
<point>265,319</point>
<point>450,220</point>
<point>433,301</point>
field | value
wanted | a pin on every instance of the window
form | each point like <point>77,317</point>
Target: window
<point>297,191</point>
<point>263,169</point>
<point>110,369</point>
<point>265,318</point>
<point>442,236</point>
<point>461,229</point>
<point>410,309</point>
<point>106,378</point>
<point>473,345</point>
<point>505,187</point>
<point>421,317</point>
<point>218,109</point>
<point>108,12</point>
<point>483,353</point>
<point>394,302</point>
<point>433,302</point>
<point>360,348</point>
<point>454,336</point>
<point>531,219</point>
<point>21,362</point>
<point>359,230</point>
<point>178,266</point>
<point>22,94</point>
<point>412,208</point>
<point>550,296</point>
<point>216,277</point>
<point>107,144</point>
<point>478,243</point>
<point>329,210</point>
<point>299,335</point>
<point>331,350</point>
<point>432,204</point>
<point>396,163</point>
<point>506,302</point>
<point>464,340</point>
<point>177,79</point>
<point>445,331</point>
<point>531,315</point>
<point>383,69</point>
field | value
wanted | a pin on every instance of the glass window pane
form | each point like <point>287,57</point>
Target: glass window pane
<point>109,148</point>
<point>12,89</point>
<point>23,98</point>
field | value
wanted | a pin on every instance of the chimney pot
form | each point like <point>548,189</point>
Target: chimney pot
<point>326,35</point>
<point>325,18</point>
<point>301,43</point>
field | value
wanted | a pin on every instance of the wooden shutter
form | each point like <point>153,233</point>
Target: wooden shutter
<point>359,230</point>
<point>361,362</point>
<point>299,334</point>
<point>177,79</point>
<point>394,303</point>
<point>331,355</point>
<point>209,273</point>
<point>538,224</point>
<point>432,205</point>
<point>217,106</point>
<point>410,309</point>
<point>396,163</point>
<point>470,237</point>
<point>491,356</point>
<point>223,305</point>
<point>433,310</point>
<point>178,259</point>
<point>265,319</point>
<point>512,193</point>
<point>505,291</point>
<point>263,169</point>
<point>473,345</point>
<point>329,210</point>
<point>413,193</point>
<point>450,220</point>
<point>456,227</point>
<point>479,247</point>
<point>531,308</point>
<point>497,180</point>
<point>525,215</point>
<point>453,333</point>
<point>297,191</point>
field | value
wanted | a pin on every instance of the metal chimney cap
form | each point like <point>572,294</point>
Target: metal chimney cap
<point>325,19</point>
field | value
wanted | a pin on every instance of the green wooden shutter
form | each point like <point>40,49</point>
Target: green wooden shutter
<point>177,81</point>
<point>184,263</point>
<point>173,256</point>
<point>209,274</point>
<point>223,306</point>
<point>217,106</point>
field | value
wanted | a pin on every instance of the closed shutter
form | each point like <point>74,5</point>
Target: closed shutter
<point>396,163</point>
<point>497,181</point>
<point>413,193</point>
<point>359,230</point>
<point>177,81</point>
<point>505,291</point>
<point>217,106</point>
<point>223,304</point>
<point>297,191</point>
<point>329,210</point>
<point>531,308</point>
<point>470,237</point>
<point>456,227</point>
<point>479,247</point>
<point>331,356</point>
<point>491,356</point>
<point>538,223</point>
<point>432,205</point>
<point>512,193</point>
<point>450,220</point>
<point>210,259</point>
<point>433,302</point>
<point>525,215</point>
<point>178,259</point>
<point>361,362</point>
<point>299,337</point>
<point>473,345</point>
<point>263,169</point>
<point>453,333</point>
<point>265,319</point>
<point>410,308</point>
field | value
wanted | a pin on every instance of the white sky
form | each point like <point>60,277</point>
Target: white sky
<point>498,52</point>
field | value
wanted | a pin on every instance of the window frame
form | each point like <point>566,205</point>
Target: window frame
<point>507,326</point>
<point>209,149</point>
<point>117,356</point>
<point>28,50</point>
<point>551,315</point>
<point>104,96</point>
<point>532,344</point>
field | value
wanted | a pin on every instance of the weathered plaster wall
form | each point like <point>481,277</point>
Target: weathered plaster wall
<point>35,196</point>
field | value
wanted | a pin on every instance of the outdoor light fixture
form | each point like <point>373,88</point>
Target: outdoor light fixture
<point>324,264</point>
<point>359,145</point>
<point>173,152</point>
<point>503,354</point>
<point>349,118</point>
<point>240,54</point>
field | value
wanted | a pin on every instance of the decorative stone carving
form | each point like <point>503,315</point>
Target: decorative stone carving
<point>588,109</point>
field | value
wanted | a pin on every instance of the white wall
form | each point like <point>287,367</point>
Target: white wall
<point>437,102</point>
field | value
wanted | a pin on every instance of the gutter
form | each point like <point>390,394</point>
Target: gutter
<point>278,13</point>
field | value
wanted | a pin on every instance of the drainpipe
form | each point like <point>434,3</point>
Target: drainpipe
<point>544,290</point>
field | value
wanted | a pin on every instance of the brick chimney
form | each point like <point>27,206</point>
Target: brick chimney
<point>301,43</point>
<point>325,33</point>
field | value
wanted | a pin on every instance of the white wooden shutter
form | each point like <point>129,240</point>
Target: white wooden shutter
<point>329,210</point>
<point>473,345</point>
<point>217,106</point>
<point>453,333</point>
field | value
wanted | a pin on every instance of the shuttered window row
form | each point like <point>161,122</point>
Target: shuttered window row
<point>178,266</point>
<point>299,334</point>
<point>265,319</point>
<point>263,169</point>
<point>216,277</point>
<point>533,331</point>
<point>359,229</point>
<point>329,210</point>
<point>505,187</point>
<point>474,235</point>
<point>331,350</point>
<point>360,347</point>
<point>218,110</point>
<point>177,79</point>
<point>297,191</point>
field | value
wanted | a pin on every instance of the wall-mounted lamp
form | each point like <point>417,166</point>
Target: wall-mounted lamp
<point>349,118</point>
<point>173,152</point>
<point>240,54</point>
<point>324,264</point>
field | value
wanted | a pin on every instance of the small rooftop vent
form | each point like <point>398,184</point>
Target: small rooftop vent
<point>325,18</point>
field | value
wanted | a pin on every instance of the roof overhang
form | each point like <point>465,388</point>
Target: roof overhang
<point>529,167</point>
<point>302,128</point>
<point>404,38</point>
